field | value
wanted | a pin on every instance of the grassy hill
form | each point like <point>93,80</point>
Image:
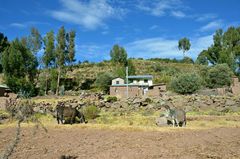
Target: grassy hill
<point>162,71</point>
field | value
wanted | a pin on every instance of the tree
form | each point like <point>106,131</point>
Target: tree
<point>184,44</point>
<point>71,46</point>
<point>60,53</point>
<point>20,68</point>
<point>48,56</point>
<point>202,58</point>
<point>225,48</point>
<point>103,81</point>
<point>34,41</point>
<point>3,45</point>
<point>118,55</point>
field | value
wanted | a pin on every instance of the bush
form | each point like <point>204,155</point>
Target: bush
<point>186,83</point>
<point>219,75</point>
<point>103,81</point>
<point>110,99</point>
<point>91,112</point>
<point>187,60</point>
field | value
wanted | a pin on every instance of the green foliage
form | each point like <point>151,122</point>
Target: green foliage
<point>118,55</point>
<point>165,69</point>
<point>61,47</point>
<point>184,44</point>
<point>20,68</point>
<point>91,112</point>
<point>34,42</point>
<point>71,46</point>
<point>103,81</point>
<point>53,80</point>
<point>110,99</point>
<point>187,60</point>
<point>186,83</point>
<point>3,45</point>
<point>4,115</point>
<point>131,67</point>
<point>202,58</point>
<point>219,75</point>
<point>87,84</point>
<point>120,71</point>
<point>49,49</point>
<point>166,60</point>
<point>225,48</point>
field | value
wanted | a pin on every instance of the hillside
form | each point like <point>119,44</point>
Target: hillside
<point>161,71</point>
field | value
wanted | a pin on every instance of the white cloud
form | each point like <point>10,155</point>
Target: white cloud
<point>153,27</point>
<point>90,15</point>
<point>162,7</point>
<point>18,25</point>
<point>199,44</point>
<point>205,17</point>
<point>166,48</point>
<point>212,26</point>
<point>178,14</point>
<point>27,24</point>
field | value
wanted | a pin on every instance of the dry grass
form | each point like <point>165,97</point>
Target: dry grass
<point>138,121</point>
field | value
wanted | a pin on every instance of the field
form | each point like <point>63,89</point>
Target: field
<point>206,136</point>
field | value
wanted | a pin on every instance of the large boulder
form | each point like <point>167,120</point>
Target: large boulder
<point>161,121</point>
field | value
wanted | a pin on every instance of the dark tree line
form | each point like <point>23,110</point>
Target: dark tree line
<point>20,61</point>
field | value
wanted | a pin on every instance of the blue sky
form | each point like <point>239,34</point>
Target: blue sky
<point>145,28</point>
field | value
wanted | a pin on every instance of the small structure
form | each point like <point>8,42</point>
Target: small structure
<point>141,85</point>
<point>4,90</point>
<point>117,81</point>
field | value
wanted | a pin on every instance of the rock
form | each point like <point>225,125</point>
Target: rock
<point>230,102</point>
<point>161,121</point>
<point>137,101</point>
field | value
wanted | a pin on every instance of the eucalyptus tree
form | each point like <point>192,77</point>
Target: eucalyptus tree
<point>184,45</point>
<point>49,55</point>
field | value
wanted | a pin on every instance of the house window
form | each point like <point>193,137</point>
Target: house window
<point>145,81</point>
<point>117,82</point>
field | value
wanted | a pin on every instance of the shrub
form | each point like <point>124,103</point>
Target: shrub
<point>110,99</point>
<point>91,112</point>
<point>186,83</point>
<point>103,81</point>
<point>187,60</point>
<point>219,75</point>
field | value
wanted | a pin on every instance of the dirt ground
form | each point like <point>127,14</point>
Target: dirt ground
<point>123,144</point>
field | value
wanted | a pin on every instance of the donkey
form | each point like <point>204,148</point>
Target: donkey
<point>69,112</point>
<point>176,116</point>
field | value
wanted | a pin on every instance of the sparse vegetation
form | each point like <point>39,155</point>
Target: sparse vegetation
<point>91,112</point>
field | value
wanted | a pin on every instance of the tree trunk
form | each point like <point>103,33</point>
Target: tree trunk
<point>46,84</point>
<point>58,80</point>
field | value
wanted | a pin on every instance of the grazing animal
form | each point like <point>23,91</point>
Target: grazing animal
<point>176,116</point>
<point>64,112</point>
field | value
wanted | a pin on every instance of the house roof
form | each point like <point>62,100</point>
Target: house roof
<point>141,77</point>
<point>4,86</point>
<point>118,78</point>
<point>129,85</point>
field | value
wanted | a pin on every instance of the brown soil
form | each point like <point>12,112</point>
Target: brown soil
<point>124,144</point>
